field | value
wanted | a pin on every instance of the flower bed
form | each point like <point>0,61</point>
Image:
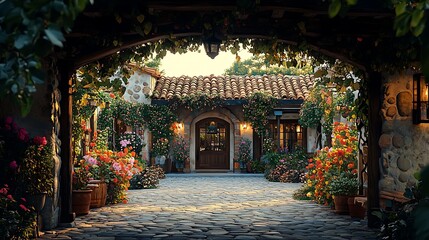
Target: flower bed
<point>329,163</point>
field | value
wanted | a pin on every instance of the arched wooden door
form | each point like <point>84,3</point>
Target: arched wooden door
<point>212,144</point>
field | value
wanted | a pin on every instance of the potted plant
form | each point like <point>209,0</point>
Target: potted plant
<point>81,197</point>
<point>244,154</point>
<point>180,151</point>
<point>160,150</point>
<point>36,172</point>
<point>341,188</point>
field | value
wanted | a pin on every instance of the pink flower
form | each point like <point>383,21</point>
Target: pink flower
<point>117,167</point>
<point>40,140</point>
<point>3,191</point>
<point>23,199</point>
<point>22,134</point>
<point>13,165</point>
<point>24,208</point>
<point>10,197</point>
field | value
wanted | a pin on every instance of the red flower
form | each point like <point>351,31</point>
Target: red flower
<point>24,208</point>
<point>13,165</point>
<point>40,140</point>
<point>22,134</point>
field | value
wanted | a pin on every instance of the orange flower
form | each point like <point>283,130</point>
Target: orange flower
<point>350,165</point>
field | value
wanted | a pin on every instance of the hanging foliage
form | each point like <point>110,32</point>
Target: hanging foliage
<point>257,109</point>
<point>196,101</point>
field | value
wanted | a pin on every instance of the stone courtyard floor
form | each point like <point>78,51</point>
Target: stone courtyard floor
<point>204,206</point>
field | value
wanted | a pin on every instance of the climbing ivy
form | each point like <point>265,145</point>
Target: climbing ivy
<point>257,109</point>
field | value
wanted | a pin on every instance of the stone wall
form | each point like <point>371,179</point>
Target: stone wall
<point>404,146</point>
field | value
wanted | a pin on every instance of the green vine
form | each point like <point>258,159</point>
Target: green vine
<point>257,109</point>
<point>196,101</point>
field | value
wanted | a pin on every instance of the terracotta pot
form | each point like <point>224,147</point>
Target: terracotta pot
<point>355,210</point>
<point>81,200</point>
<point>249,167</point>
<point>341,206</point>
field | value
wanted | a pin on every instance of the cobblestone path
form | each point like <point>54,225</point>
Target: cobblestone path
<point>215,207</point>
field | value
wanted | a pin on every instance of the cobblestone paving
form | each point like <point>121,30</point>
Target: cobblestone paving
<point>207,207</point>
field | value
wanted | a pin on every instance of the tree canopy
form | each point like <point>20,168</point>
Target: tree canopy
<point>257,65</point>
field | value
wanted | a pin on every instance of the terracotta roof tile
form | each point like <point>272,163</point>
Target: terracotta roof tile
<point>234,87</point>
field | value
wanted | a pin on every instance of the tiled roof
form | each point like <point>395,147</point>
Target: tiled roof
<point>234,87</point>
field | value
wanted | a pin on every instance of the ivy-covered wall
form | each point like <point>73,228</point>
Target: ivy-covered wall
<point>404,146</point>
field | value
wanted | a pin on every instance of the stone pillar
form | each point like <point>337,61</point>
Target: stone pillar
<point>374,132</point>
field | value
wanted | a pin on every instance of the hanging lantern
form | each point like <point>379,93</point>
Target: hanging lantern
<point>212,128</point>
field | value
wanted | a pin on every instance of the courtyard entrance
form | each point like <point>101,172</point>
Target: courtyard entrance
<point>215,206</point>
<point>212,138</point>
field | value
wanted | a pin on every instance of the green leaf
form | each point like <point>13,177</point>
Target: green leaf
<point>147,28</point>
<point>418,30</point>
<point>140,18</point>
<point>400,8</point>
<point>319,73</point>
<point>25,104</point>
<point>55,35</point>
<point>416,17</point>
<point>334,8</point>
<point>80,5</point>
<point>21,41</point>
<point>351,2</point>
<point>401,24</point>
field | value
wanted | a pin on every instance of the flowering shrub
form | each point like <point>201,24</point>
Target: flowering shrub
<point>116,168</point>
<point>160,147</point>
<point>283,173</point>
<point>81,175</point>
<point>16,220</point>
<point>286,167</point>
<point>244,151</point>
<point>13,144</point>
<point>38,164</point>
<point>130,139</point>
<point>180,149</point>
<point>328,163</point>
<point>148,178</point>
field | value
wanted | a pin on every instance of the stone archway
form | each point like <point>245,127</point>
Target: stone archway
<point>234,132</point>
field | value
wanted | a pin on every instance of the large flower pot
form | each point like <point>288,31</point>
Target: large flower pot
<point>98,194</point>
<point>356,210</point>
<point>341,206</point>
<point>81,200</point>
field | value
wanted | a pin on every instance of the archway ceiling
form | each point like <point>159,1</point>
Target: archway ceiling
<point>109,26</point>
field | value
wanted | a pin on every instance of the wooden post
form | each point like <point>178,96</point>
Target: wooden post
<point>374,132</point>
<point>67,215</point>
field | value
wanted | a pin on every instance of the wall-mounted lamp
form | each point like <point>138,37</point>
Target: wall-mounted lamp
<point>179,125</point>
<point>420,99</point>
<point>244,126</point>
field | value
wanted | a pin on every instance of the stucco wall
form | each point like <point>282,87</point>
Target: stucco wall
<point>404,146</point>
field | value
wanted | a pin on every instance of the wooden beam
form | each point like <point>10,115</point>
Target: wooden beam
<point>86,59</point>
<point>374,152</point>
<point>67,215</point>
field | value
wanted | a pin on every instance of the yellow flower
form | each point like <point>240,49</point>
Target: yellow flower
<point>314,171</point>
<point>309,194</point>
<point>326,182</point>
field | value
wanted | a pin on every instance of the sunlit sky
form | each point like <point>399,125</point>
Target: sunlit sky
<point>198,63</point>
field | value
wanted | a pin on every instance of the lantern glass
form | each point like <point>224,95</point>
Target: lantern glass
<point>420,99</point>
